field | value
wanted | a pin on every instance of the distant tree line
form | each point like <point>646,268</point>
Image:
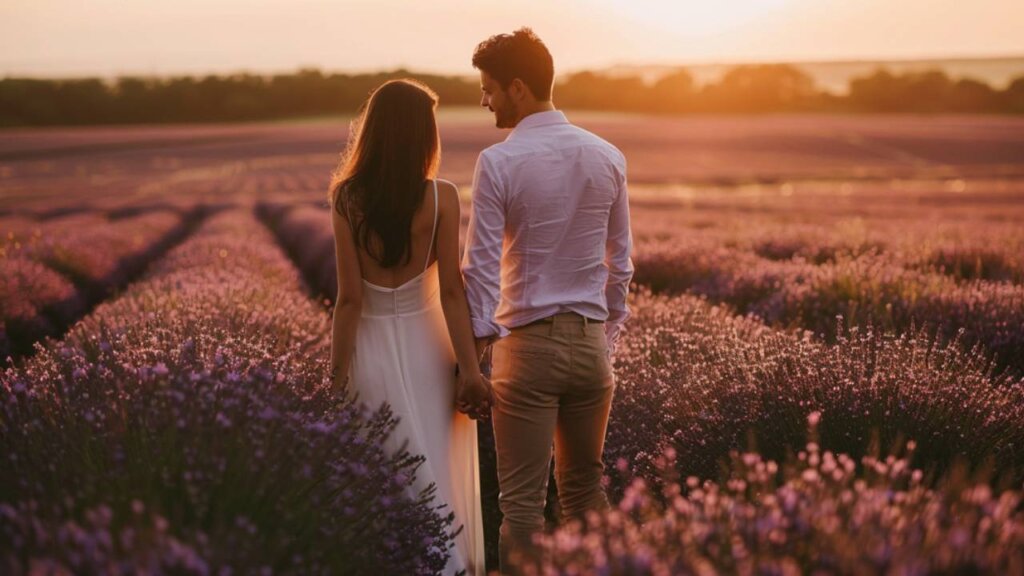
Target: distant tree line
<point>784,88</point>
<point>309,92</point>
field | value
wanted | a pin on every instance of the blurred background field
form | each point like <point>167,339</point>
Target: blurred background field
<point>723,155</point>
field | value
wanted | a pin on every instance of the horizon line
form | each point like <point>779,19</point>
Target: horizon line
<point>228,71</point>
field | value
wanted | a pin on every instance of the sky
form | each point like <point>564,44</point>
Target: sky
<point>65,38</point>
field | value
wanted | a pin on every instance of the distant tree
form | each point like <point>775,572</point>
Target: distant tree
<point>881,91</point>
<point>587,90</point>
<point>134,97</point>
<point>969,95</point>
<point>760,88</point>
<point>306,92</point>
<point>673,92</point>
<point>26,102</point>
<point>928,91</point>
<point>1013,96</point>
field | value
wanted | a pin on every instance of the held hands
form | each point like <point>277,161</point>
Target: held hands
<point>473,395</point>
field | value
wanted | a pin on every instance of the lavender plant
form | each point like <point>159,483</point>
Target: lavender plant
<point>52,271</point>
<point>201,397</point>
<point>719,382</point>
<point>866,289</point>
<point>304,231</point>
<point>34,302</point>
<point>819,512</point>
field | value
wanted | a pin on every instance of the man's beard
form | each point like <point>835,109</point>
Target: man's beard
<point>505,117</point>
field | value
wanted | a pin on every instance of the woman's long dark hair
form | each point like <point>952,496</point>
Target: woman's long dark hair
<point>393,149</point>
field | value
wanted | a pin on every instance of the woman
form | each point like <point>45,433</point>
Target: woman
<point>401,321</point>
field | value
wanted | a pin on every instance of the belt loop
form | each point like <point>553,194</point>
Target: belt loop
<point>552,331</point>
<point>586,322</point>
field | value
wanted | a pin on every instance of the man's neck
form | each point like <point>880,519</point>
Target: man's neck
<point>534,108</point>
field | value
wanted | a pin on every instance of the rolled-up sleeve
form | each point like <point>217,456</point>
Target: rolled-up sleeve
<point>619,262</point>
<point>481,261</point>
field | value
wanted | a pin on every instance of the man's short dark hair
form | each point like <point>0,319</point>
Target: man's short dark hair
<point>522,55</point>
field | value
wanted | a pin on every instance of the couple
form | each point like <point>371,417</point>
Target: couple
<point>543,282</point>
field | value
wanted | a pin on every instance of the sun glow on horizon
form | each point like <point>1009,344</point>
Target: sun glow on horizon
<point>147,37</point>
<point>695,19</point>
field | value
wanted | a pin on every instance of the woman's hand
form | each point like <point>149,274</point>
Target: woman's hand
<point>473,395</point>
<point>339,385</point>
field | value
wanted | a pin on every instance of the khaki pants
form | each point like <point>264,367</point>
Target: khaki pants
<point>551,381</point>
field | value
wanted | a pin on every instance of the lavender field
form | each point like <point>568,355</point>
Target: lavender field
<point>824,372</point>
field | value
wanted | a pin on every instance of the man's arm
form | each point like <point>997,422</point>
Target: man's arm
<point>481,261</point>
<point>620,265</point>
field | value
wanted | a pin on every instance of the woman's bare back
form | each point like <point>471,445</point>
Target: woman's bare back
<point>422,231</point>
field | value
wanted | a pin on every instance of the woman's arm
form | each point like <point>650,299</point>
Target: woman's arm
<point>474,394</point>
<point>348,306</point>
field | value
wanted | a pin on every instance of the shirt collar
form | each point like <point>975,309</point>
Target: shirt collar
<point>545,118</point>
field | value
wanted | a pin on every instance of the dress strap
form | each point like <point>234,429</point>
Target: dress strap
<point>433,231</point>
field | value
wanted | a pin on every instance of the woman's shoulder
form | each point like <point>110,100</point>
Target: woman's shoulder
<point>446,188</point>
<point>447,197</point>
<point>443,184</point>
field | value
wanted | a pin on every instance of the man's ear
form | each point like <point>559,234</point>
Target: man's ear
<point>517,89</point>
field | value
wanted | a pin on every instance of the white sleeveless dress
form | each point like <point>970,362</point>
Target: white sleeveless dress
<point>404,356</point>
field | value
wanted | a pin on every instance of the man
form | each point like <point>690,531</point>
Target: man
<point>547,269</point>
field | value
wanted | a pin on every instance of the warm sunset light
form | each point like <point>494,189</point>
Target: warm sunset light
<point>499,288</point>
<point>694,19</point>
<point>68,37</point>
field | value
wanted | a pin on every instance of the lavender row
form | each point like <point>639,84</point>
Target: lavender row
<point>305,232</point>
<point>695,378</point>
<point>90,249</point>
<point>45,210</point>
<point>947,244</point>
<point>189,426</point>
<point>53,271</point>
<point>861,290</point>
<point>817,513</point>
<point>35,302</point>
